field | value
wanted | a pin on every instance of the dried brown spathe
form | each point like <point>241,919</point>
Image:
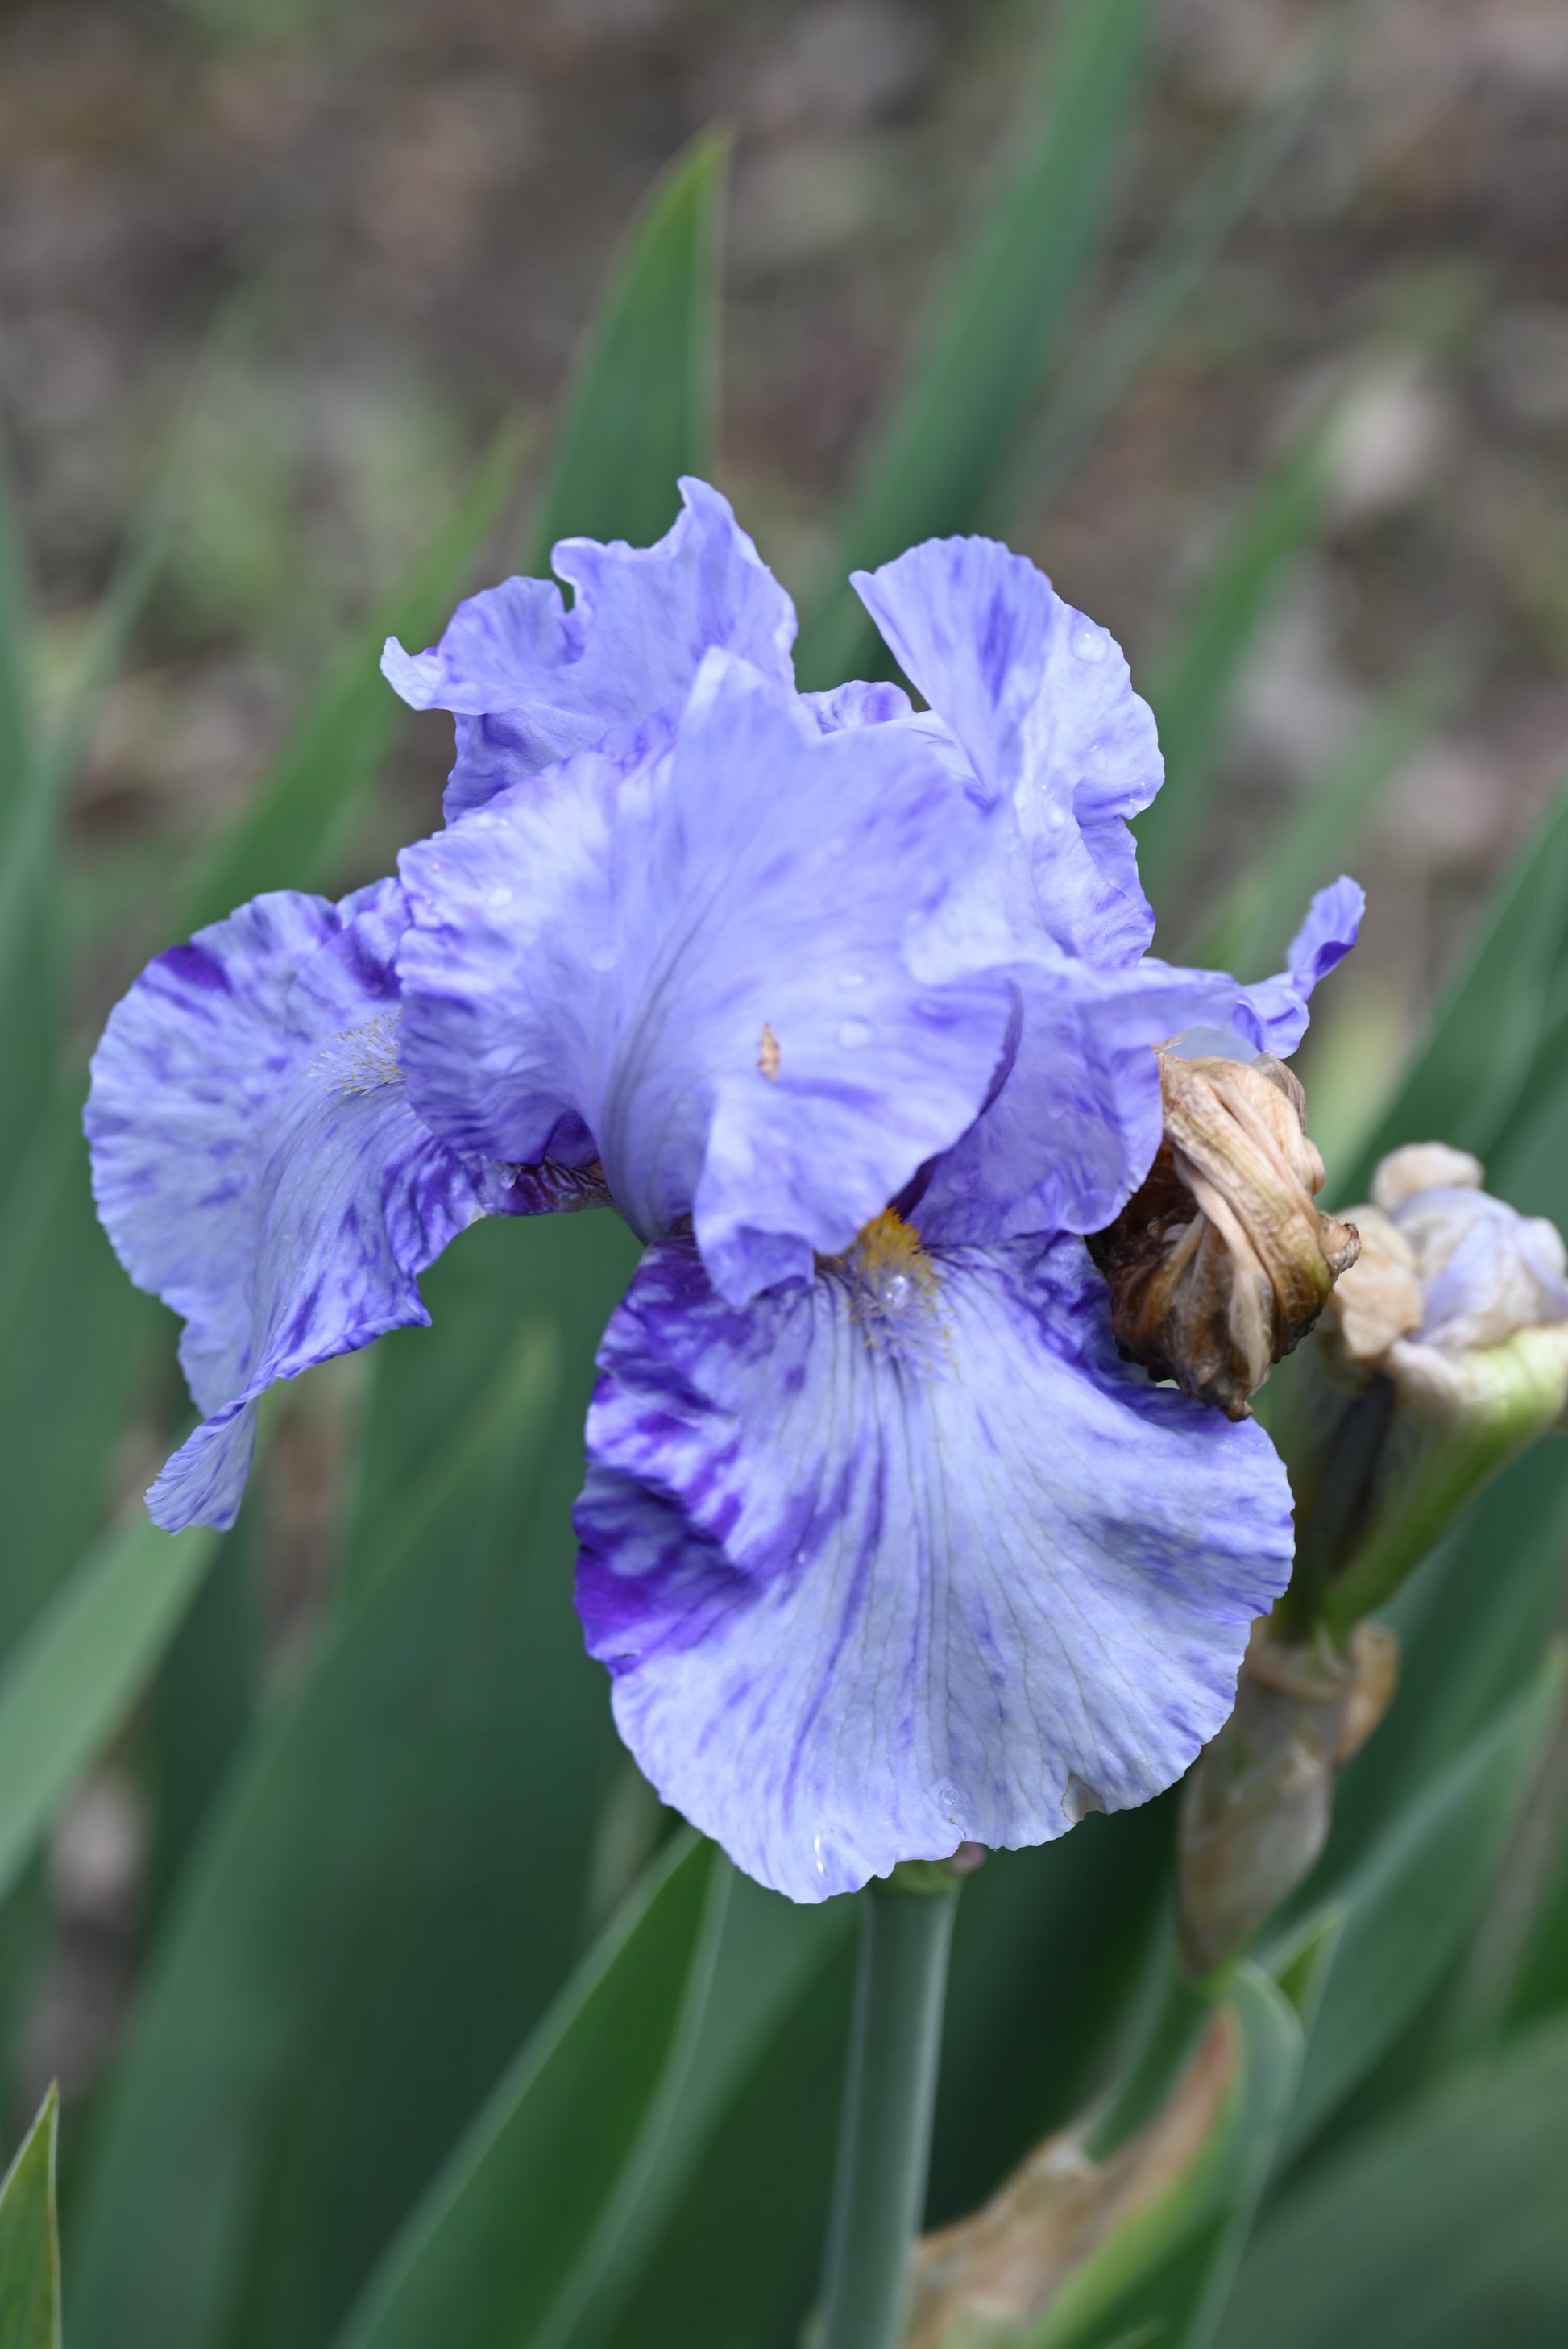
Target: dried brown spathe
<point>1222,1262</point>
<point>993,2279</point>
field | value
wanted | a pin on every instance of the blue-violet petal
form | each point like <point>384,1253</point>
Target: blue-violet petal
<point>1039,699</point>
<point>532,682</point>
<point>256,1164</point>
<point>752,973</point>
<point>902,1555</point>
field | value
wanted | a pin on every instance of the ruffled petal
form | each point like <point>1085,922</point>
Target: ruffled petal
<point>532,682</point>
<point>745,975</point>
<point>1074,1128</point>
<point>1040,699</point>
<point>256,1164</point>
<point>1272,1015</point>
<point>879,1572</point>
<point>856,704</point>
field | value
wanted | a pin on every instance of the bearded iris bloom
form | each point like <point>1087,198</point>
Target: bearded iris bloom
<point>847,1009</point>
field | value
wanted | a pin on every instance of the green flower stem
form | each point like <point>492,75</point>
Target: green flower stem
<point>884,2139</point>
<point>1323,1530</point>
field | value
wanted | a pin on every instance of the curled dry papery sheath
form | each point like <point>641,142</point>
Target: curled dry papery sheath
<point>1221,1263</point>
<point>848,1010</point>
<point>994,2279</point>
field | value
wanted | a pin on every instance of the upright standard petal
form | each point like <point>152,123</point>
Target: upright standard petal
<point>752,978</point>
<point>1040,701</point>
<point>532,682</point>
<point>256,1164</point>
<point>903,1556</point>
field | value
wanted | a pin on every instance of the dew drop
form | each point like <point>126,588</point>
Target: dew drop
<point>854,1033</point>
<point>1079,1798</point>
<point>602,958</point>
<point>1089,642</point>
<point>947,1796</point>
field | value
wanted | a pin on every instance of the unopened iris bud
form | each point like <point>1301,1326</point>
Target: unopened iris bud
<point>1256,1805</point>
<point>1222,1262</point>
<point>1440,1355</point>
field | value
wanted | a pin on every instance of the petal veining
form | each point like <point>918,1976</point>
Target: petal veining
<point>256,1164</point>
<point>1040,701</point>
<point>532,682</point>
<point>1073,1130</point>
<point>864,1600</point>
<point>753,973</point>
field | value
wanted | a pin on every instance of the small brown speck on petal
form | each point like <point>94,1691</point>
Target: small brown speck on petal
<point>769,1055</point>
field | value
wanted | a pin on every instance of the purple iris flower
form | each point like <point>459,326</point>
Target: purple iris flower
<point>847,1009</point>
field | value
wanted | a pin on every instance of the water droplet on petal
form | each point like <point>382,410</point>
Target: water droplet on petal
<point>1088,642</point>
<point>947,1796</point>
<point>1081,1798</point>
<point>602,958</point>
<point>854,1033</point>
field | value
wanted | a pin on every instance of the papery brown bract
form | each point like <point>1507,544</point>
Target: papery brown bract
<point>1221,1263</point>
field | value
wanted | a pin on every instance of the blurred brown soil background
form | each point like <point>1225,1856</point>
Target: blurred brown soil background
<point>415,202</point>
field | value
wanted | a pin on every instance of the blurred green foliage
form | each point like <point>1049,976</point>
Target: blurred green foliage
<point>1008,300</point>
<point>29,2239</point>
<point>390,2077</point>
